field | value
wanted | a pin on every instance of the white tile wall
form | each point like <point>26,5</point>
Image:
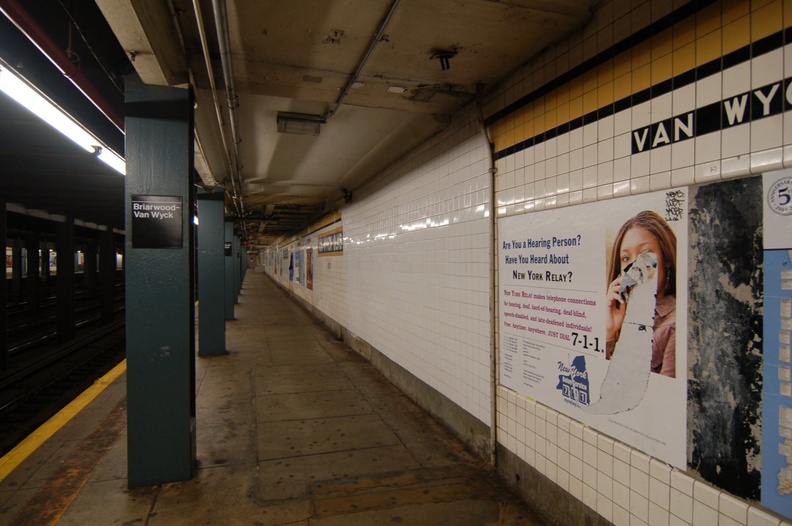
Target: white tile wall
<point>417,268</point>
<point>414,278</point>
<point>750,148</point>
<point>624,485</point>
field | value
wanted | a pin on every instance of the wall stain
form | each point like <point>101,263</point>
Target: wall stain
<point>725,335</point>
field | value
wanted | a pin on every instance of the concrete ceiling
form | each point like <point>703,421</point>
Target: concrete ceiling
<point>371,70</point>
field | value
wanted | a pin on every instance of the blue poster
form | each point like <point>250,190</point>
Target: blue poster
<point>777,387</point>
<point>777,336</point>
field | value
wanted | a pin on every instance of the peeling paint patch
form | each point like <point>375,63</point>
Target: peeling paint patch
<point>725,335</point>
<point>628,372</point>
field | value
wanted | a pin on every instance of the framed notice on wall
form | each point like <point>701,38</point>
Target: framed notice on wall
<point>588,305</point>
<point>156,221</point>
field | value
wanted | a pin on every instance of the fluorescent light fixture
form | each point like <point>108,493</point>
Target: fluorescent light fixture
<point>19,90</point>
<point>111,159</point>
<point>299,123</point>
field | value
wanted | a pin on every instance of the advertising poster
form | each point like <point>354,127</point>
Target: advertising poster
<point>592,316</point>
<point>299,267</point>
<point>777,385</point>
<point>309,268</point>
<point>286,263</point>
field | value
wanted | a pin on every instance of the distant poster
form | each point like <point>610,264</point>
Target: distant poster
<point>777,385</point>
<point>588,316</point>
<point>309,268</point>
<point>299,267</point>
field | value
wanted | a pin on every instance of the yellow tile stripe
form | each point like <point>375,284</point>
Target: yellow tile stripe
<point>27,447</point>
<point>712,32</point>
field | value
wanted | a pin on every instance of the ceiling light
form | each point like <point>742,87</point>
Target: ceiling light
<point>26,95</point>
<point>299,123</point>
<point>396,89</point>
<point>112,159</point>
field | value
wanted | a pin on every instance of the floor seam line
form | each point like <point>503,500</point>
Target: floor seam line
<point>333,452</point>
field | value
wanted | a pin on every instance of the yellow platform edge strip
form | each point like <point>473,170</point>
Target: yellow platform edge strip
<point>24,449</point>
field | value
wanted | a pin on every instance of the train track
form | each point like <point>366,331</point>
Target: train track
<point>43,379</point>
<point>26,331</point>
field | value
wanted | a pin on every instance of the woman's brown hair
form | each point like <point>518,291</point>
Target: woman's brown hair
<point>657,226</point>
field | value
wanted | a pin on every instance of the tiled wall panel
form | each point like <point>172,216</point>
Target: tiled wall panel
<point>330,294</point>
<point>684,53</point>
<point>414,277</point>
<point>418,270</point>
<point>572,144</point>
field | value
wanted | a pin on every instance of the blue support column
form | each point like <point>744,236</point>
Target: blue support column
<point>243,260</point>
<point>237,279</point>
<point>228,251</point>
<point>159,266</point>
<point>211,272</point>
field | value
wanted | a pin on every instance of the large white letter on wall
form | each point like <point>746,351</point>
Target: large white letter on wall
<point>593,316</point>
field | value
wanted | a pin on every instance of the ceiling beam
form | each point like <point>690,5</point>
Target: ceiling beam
<point>146,31</point>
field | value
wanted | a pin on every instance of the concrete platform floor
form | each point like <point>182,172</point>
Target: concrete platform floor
<point>293,428</point>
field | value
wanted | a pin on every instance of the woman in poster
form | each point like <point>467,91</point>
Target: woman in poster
<point>645,242</point>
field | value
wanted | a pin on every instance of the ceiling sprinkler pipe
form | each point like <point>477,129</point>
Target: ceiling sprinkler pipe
<point>374,41</point>
<point>25,23</point>
<point>221,25</point>
<point>218,111</point>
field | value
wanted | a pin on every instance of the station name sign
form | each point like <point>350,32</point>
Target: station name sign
<point>156,221</point>
<point>759,103</point>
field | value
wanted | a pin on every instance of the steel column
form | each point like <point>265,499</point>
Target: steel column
<point>33,273</point>
<point>107,271</point>
<point>229,270</point>
<point>211,272</point>
<point>65,280</point>
<point>16,271</point>
<point>159,267</point>
<point>4,292</point>
<point>237,269</point>
<point>46,277</point>
<point>89,267</point>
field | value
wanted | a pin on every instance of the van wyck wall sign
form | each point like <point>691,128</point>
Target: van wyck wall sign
<point>762,102</point>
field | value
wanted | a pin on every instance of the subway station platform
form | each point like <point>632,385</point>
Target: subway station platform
<point>293,428</point>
